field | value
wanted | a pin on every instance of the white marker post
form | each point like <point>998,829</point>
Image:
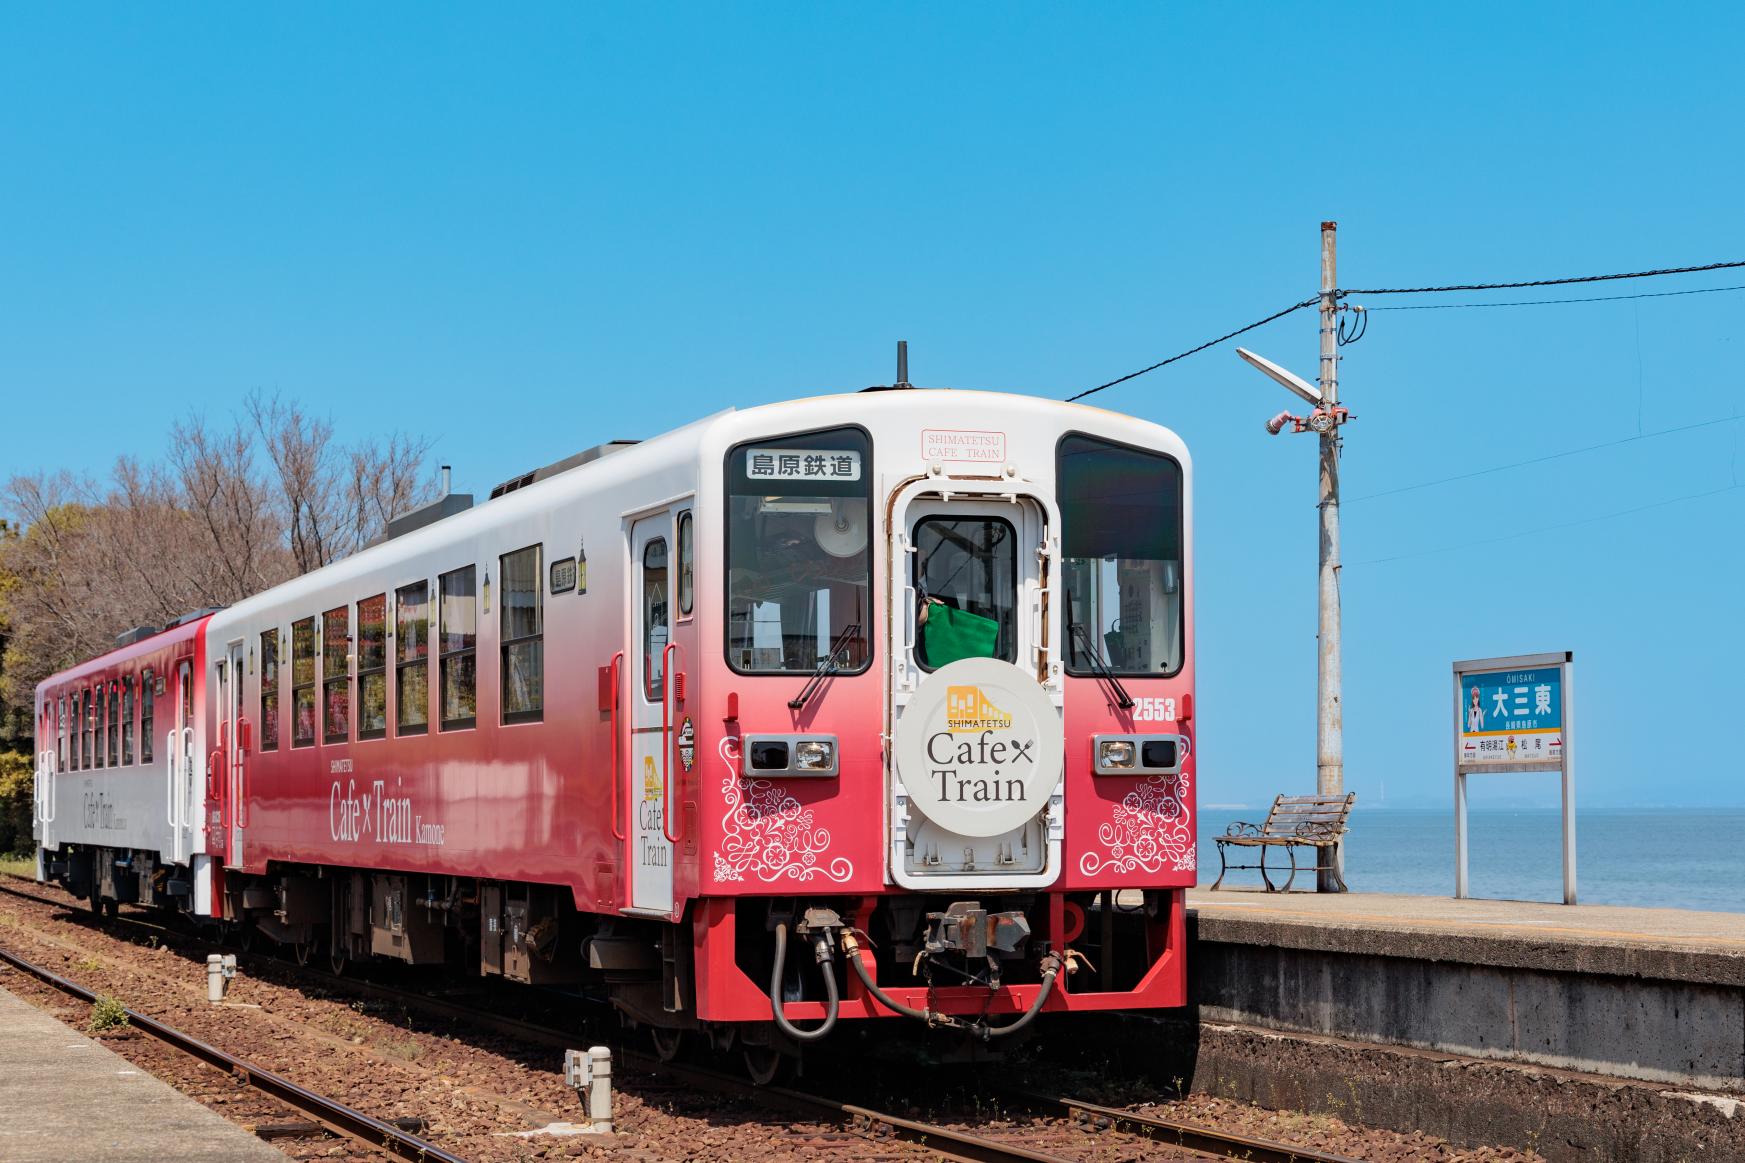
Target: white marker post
<point>1515,714</point>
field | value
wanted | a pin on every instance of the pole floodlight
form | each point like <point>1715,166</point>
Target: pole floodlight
<point>1288,380</point>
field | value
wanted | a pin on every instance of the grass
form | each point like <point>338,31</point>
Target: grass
<point>24,865</point>
<point>108,1013</point>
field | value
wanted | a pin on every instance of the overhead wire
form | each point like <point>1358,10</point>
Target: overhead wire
<point>1309,302</point>
<point>1446,288</point>
<point>1450,287</point>
<point>1465,476</point>
<point>1548,528</point>
<point>1553,302</point>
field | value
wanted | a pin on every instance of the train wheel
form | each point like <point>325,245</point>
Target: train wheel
<point>111,909</point>
<point>667,1043</point>
<point>244,934</point>
<point>336,959</point>
<point>763,1063</point>
<point>303,951</point>
<point>96,904</point>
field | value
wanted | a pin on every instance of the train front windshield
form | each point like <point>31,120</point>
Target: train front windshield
<point>799,572</point>
<point>1121,517</point>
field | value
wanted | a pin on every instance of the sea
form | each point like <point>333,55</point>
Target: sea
<point>1658,857</point>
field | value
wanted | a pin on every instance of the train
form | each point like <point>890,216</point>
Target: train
<point>867,706</point>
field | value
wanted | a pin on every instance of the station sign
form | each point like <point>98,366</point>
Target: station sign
<point>1515,715</point>
<point>1512,716</point>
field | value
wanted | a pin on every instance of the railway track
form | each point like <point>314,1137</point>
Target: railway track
<point>947,1142</point>
<point>331,1114</point>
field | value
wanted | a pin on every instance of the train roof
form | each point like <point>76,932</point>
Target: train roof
<point>681,447</point>
<point>185,629</point>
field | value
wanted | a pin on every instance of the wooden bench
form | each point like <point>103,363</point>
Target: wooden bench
<point>1295,822</point>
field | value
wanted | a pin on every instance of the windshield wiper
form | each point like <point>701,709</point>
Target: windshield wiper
<point>827,666</point>
<point>1089,646</point>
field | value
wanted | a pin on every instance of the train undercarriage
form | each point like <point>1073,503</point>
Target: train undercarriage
<point>776,974</point>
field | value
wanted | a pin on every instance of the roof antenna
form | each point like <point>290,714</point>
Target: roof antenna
<point>902,365</point>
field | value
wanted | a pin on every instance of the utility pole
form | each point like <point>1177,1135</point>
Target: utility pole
<point>1330,716</point>
<point>1325,421</point>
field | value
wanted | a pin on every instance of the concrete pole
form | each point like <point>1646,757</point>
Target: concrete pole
<point>1330,720</point>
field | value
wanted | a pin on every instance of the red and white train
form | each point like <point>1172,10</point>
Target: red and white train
<point>904,677</point>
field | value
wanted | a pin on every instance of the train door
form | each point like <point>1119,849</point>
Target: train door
<point>47,767</point>
<point>651,674</point>
<point>973,582</point>
<point>233,732</point>
<point>178,756</point>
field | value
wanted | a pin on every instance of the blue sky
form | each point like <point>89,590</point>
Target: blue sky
<point>525,231</point>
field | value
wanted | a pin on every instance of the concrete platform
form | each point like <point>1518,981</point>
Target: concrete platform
<point>1666,944</point>
<point>1650,994</point>
<point>64,1098</point>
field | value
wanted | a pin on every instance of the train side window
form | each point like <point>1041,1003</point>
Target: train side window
<point>1121,550</point>
<point>127,719</point>
<point>412,659</point>
<point>687,564</point>
<point>655,612</point>
<point>522,623</point>
<point>336,675</point>
<point>147,700</point>
<point>457,625</point>
<point>372,667</point>
<point>61,734</point>
<point>303,683</point>
<point>109,725</point>
<point>76,728</point>
<point>269,711</point>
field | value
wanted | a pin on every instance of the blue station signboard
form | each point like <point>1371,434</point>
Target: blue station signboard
<point>1512,716</point>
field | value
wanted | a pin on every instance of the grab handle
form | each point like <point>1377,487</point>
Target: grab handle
<point>671,682</point>
<point>618,775</point>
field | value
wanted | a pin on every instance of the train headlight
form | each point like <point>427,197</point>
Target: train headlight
<point>790,756</point>
<point>1115,753</point>
<point>1138,754</point>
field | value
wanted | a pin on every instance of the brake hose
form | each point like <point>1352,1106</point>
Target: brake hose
<point>832,1002</point>
<point>1050,970</point>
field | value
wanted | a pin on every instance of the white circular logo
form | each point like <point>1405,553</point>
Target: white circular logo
<point>979,747</point>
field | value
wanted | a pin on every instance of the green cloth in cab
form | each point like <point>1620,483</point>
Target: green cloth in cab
<point>949,634</point>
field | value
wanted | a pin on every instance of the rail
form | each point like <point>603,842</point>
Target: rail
<point>1174,1132</point>
<point>871,1123</point>
<point>335,1116</point>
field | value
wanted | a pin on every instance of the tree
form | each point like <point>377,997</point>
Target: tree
<point>230,512</point>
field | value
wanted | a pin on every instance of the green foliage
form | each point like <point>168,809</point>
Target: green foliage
<point>16,783</point>
<point>107,1013</point>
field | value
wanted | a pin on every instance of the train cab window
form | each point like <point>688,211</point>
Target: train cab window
<point>412,659</point>
<point>269,710</point>
<point>966,580</point>
<point>147,698</point>
<point>336,675</point>
<point>799,561</point>
<point>687,563</point>
<point>1121,544</point>
<point>303,683</point>
<point>372,667</point>
<point>457,625</point>
<point>522,614</point>
<point>127,719</point>
<point>656,617</point>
